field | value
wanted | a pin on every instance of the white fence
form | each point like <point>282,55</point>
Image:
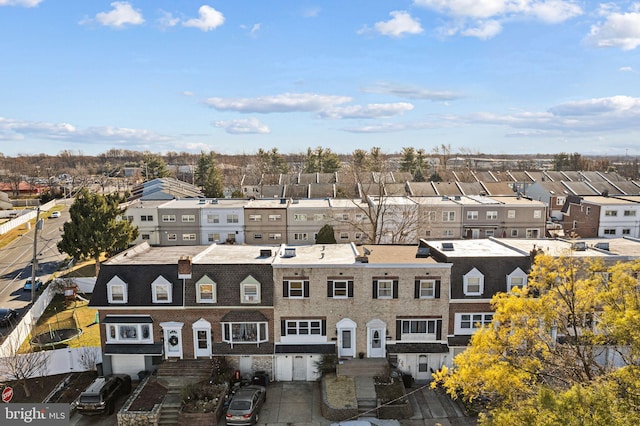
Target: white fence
<point>20,220</point>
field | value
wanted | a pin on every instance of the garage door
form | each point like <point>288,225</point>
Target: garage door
<point>127,364</point>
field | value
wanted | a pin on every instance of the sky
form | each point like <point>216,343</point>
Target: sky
<point>233,76</point>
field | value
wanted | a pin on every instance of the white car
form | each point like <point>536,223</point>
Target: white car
<point>55,214</point>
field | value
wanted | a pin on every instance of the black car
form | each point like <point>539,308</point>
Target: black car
<point>101,395</point>
<point>7,315</point>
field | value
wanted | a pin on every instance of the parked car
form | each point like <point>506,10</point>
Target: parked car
<point>55,214</point>
<point>27,284</point>
<point>7,315</point>
<point>101,395</point>
<point>368,422</point>
<point>245,405</point>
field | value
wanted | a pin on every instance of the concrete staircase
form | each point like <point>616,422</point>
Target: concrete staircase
<point>175,375</point>
<point>363,370</point>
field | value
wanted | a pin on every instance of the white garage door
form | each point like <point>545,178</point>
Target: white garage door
<point>127,364</point>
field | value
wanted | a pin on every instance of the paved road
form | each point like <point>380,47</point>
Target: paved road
<point>15,261</point>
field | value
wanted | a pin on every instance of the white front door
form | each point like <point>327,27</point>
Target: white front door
<point>202,338</point>
<point>376,342</point>
<point>172,332</point>
<point>423,372</point>
<point>346,338</point>
<point>299,367</point>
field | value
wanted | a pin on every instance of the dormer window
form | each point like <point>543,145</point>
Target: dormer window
<point>161,290</point>
<point>516,279</point>
<point>206,290</point>
<point>250,290</point>
<point>116,290</point>
<point>473,283</point>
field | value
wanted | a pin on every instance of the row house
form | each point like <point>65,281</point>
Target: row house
<point>604,217</point>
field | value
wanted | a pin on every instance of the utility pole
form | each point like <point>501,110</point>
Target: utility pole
<point>34,261</point>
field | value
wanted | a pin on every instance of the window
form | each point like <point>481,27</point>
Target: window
<point>359,216</point>
<point>516,279</point>
<point>188,237</point>
<point>358,236</point>
<point>319,217</point>
<point>537,214</point>
<point>257,236</point>
<point>340,289</point>
<point>302,236</point>
<point>447,233</point>
<point>304,328</point>
<point>250,290</point>
<point>244,332</point>
<point>344,236</point>
<point>128,218</point>
<point>609,231</point>
<point>172,237</point>
<point>630,213</point>
<point>300,217</point>
<point>611,213</point>
<point>231,237</point>
<point>129,333</point>
<point>514,233</point>
<point>533,233</point>
<point>206,290</point>
<point>146,218</point>
<point>560,201</point>
<point>448,216</point>
<point>255,218</point>
<point>383,289</point>
<point>213,218</point>
<point>161,290</point>
<point>488,233</point>
<point>295,289</point>
<point>473,283</point>
<point>427,289</point>
<point>188,218</point>
<point>213,238</point>
<point>626,231</point>
<point>116,291</point>
<point>145,236</point>
<point>574,224</point>
<point>275,217</point>
<point>232,218</point>
<point>275,236</point>
<point>472,215</point>
<point>168,217</point>
<point>511,214</point>
<point>469,323</point>
<point>431,216</point>
<point>419,329</point>
<point>492,215</point>
<point>588,210</point>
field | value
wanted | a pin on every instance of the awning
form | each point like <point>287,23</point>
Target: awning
<point>415,348</point>
<point>323,348</point>
<point>127,319</point>
<point>153,349</point>
<point>244,316</point>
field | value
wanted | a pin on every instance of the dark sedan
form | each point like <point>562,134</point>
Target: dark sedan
<point>245,405</point>
<point>7,316</point>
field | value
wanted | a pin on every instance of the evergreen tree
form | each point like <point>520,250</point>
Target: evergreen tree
<point>208,176</point>
<point>326,235</point>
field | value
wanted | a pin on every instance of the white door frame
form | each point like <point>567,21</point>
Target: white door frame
<point>376,339</point>
<point>422,375</point>
<point>346,330</point>
<point>198,326</point>
<point>172,332</point>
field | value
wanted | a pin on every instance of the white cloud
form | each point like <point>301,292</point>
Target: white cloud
<point>209,19</point>
<point>610,105</point>
<point>484,18</point>
<point>167,20</point>
<point>621,30</point>
<point>401,23</point>
<point>243,126</point>
<point>121,15</point>
<point>626,69</point>
<point>484,30</point>
<point>23,3</point>
<point>311,12</point>
<point>410,92</point>
<point>367,111</point>
<point>286,102</point>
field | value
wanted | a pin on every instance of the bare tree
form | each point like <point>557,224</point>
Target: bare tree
<point>22,366</point>
<point>89,358</point>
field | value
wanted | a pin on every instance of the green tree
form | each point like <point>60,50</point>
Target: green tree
<point>96,227</point>
<point>321,160</point>
<point>408,160</point>
<point>546,346</point>
<point>208,176</point>
<point>271,162</point>
<point>326,235</point>
<point>154,167</point>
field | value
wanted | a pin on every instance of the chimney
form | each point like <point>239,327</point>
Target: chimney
<point>184,267</point>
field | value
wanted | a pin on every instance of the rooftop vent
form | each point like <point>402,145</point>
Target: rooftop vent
<point>579,246</point>
<point>447,246</point>
<point>202,201</point>
<point>445,198</point>
<point>423,252</point>
<point>283,201</point>
<point>265,253</point>
<point>214,201</point>
<point>457,198</point>
<point>602,246</point>
<point>289,252</point>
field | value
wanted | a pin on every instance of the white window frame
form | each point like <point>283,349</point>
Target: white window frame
<point>232,218</point>
<point>257,236</point>
<point>344,236</point>
<point>511,214</point>
<point>311,327</point>
<point>190,218</point>
<point>492,215</point>
<point>611,213</point>
<point>472,215</point>
<point>430,216</point>
<point>427,289</point>
<point>275,217</point>
<point>172,237</point>
<point>410,329</point>
<point>533,232</point>
<point>517,278</point>
<point>514,233</point>
<point>300,217</point>
<point>609,231</point>
<point>385,289</point>
<point>213,218</point>
<point>319,217</point>
<point>188,237</point>
<point>467,323</point>
<point>206,281</point>
<point>214,237</point>
<point>168,217</point>
<point>473,278</point>
<point>337,293</point>
<point>448,216</point>
<point>116,283</point>
<point>255,218</point>
<point>261,329</point>
<point>301,236</point>
<point>250,291</point>
<point>489,233</point>
<point>448,232</point>
<point>158,284</point>
<point>275,236</point>
<point>628,213</point>
<point>537,214</point>
<point>117,333</point>
<point>293,293</point>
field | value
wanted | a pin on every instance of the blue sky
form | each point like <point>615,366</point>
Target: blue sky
<point>233,76</point>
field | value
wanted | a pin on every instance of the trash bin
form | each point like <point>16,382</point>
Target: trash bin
<point>407,380</point>
<point>260,378</point>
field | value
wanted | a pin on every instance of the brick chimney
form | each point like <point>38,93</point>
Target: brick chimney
<point>184,267</point>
